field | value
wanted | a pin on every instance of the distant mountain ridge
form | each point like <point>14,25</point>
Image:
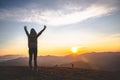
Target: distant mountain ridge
<point>95,60</point>
<point>8,57</point>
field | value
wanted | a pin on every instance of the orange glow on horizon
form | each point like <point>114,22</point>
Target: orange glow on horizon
<point>62,50</point>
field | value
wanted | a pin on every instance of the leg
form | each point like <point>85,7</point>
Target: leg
<point>30,59</point>
<point>35,59</point>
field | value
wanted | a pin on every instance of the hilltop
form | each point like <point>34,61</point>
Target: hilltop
<point>56,73</point>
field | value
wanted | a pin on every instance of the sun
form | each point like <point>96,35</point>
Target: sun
<point>74,49</point>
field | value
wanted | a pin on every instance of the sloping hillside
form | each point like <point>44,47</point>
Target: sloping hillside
<point>51,73</point>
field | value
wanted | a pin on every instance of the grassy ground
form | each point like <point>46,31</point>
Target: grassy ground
<point>44,73</point>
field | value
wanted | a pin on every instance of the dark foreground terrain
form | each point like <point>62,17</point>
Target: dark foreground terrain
<point>44,73</point>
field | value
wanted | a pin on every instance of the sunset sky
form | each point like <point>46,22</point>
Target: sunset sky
<point>88,25</point>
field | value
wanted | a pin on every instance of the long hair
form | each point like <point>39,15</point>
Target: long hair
<point>33,33</point>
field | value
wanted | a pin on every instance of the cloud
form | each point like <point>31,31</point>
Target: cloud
<point>66,14</point>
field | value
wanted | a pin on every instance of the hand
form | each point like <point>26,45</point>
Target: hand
<point>44,26</point>
<point>25,27</point>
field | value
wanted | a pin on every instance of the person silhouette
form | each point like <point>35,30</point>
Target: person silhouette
<point>32,45</point>
<point>72,65</point>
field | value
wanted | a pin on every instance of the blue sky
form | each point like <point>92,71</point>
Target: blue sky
<point>69,23</point>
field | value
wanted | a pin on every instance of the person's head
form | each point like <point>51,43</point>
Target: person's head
<point>33,32</point>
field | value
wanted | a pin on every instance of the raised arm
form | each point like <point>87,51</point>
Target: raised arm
<point>41,31</point>
<point>25,28</point>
